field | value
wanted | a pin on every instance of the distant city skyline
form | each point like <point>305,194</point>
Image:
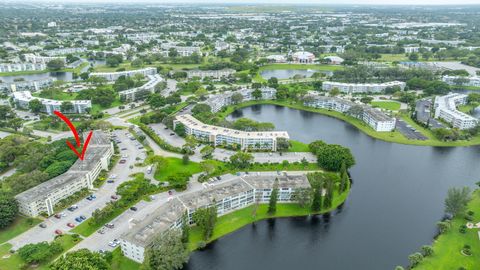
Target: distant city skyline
<point>314,2</point>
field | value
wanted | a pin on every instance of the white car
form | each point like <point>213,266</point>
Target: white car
<point>113,176</point>
<point>112,244</point>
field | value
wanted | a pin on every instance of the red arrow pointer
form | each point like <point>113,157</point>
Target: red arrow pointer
<point>77,138</point>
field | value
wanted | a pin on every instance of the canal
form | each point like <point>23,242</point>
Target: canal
<point>396,200</point>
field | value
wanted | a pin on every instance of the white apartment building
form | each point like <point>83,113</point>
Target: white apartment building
<point>446,109</point>
<point>234,193</point>
<point>469,81</point>
<point>36,59</point>
<point>132,94</point>
<point>224,136</point>
<point>65,51</point>
<point>217,102</point>
<point>182,50</point>
<point>14,67</point>
<point>374,118</point>
<point>32,86</point>
<point>113,76</point>
<point>82,174</point>
<point>215,74</point>
<point>361,87</point>
<point>23,98</point>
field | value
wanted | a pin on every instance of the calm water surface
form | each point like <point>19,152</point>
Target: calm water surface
<point>396,200</point>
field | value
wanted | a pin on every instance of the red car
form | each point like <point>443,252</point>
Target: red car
<point>58,216</point>
<point>59,232</point>
<point>71,225</point>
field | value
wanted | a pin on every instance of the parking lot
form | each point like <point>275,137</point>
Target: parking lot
<point>86,207</point>
<point>409,131</point>
<point>166,134</point>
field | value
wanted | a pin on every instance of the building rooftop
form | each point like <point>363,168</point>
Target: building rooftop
<point>285,180</point>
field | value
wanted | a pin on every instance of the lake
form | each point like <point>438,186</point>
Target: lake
<point>395,202</point>
<point>289,73</point>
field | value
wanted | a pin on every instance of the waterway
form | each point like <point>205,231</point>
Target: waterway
<point>396,199</point>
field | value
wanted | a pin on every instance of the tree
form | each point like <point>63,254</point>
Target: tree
<point>317,199</point>
<point>366,100</point>
<point>207,152</point>
<point>236,98</point>
<point>302,196</point>
<point>15,123</point>
<point>201,108</point>
<point>166,252</point>
<point>8,209</point>
<point>35,105</point>
<point>103,96</point>
<point>329,191</point>
<point>331,157</point>
<point>257,94</point>
<point>205,219</point>
<point>413,57</point>
<point>241,160</point>
<point>82,259</point>
<point>156,101</point>
<point>180,130</point>
<point>185,228</point>
<point>39,252</point>
<point>415,259</point>
<point>427,250</point>
<point>334,92</point>
<point>185,159</point>
<point>304,162</point>
<point>457,200</point>
<point>272,203</point>
<point>343,178</point>
<point>282,144</point>
<point>66,106</point>
<point>55,64</point>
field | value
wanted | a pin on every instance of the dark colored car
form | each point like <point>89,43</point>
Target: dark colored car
<point>133,208</point>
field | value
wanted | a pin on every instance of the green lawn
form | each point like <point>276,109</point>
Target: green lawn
<point>233,221</point>
<point>447,246</point>
<point>393,57</point>
<point>14,262</point>
<point>56,95</point>
<point>20,73</point>
<point>388,105</point>
<point>296,146</point>
<point>173,166</point>
<point>120,262</point>
<point>466,108</point>
<point>393,136</point>
<point>20,225</point>
<point>301,66</point>
<point>97,108</point>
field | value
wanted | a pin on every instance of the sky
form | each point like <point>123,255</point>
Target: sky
<point>326,2</point>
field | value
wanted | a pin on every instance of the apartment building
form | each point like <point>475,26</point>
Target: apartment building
<point>113,76</point>
<point>266,140</point>
<point>36,59</point>
<point>15,67</point>
<point>217,102</point>
<point>352,88</point>
<point>82,174</point>
<point>32,86</point>
<point>374,118</point>
<point>22,100</point>
<point>181,50</point>
<point>65,51</point>
<point>236,192</point>
<point>133,94</point>
<point>461,80</point>
<point>446,109</point>
<point>215,74</point>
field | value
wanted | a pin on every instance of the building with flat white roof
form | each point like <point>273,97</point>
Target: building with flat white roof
<point>22,99</point>
<point>14,67</point>
<point>361,87</point>
<point>32,86</point>
<point>225,136</point>
<point>236,192</point>
<point>82,174</point>
<point>376,119</point>
<point>215,74</point>
<point>65,51</point>
<point>135,93</point>
<point>36,59</point>
<point>461,80</point>
<point>446,109</point>
<point>217,102</point>
<point>113,76</point>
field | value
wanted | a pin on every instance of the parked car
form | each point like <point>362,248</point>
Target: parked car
<point>122,161</point>
<point>42,225</point>
<point>78,219</point>
<point>59,232</point>
<point>133,208</point>
<point>170,192</point>
<point>114,197</point>
<point>100,231</point>
<point>57,216</point>
<point>83,217</point>
<point>110,225</point>
<point>71,225</point>
<point>110,181</point>
<point>112,244</point>
<point>171,134</point>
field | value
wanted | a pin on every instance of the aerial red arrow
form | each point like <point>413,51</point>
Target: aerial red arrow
<point>77,138</point>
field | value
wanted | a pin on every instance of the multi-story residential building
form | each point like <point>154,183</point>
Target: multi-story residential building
<point>22,100</point>
<point>446,109</point>
<point>65,51</point>
<point>181,50</point>
<point>113,76</point>
<point>277,58</point>
<point>218,101</point>
<point>229,137</point>
<point>361,87</point>
<point>36,59</point>
<point>235,193</point>
<point>373,117</point>
<point>133,94</point>
<point>461,80</point>
<point>14,67</point>
<point>215,74</point>
<point>82,174</point>
<point>32,86</point>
